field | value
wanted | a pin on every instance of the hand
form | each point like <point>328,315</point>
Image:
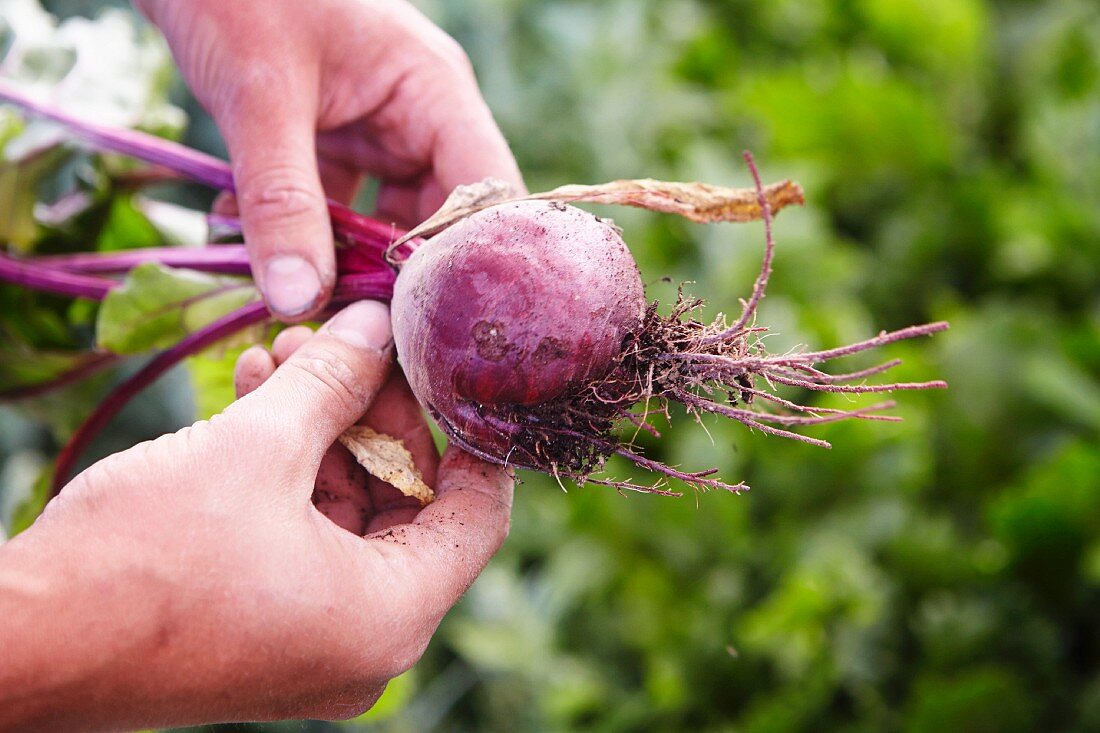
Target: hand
<point>311,95</point>
<point>190,579</point>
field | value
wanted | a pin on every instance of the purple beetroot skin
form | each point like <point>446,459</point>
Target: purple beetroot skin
<point>516,305</point>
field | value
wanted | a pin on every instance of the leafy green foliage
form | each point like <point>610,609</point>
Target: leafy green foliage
<point>158,306</point>
<point>211,374</point>
<point>56,199</point>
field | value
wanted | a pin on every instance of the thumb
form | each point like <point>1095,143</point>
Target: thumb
<point>326,385</point>
<point>282,204</point>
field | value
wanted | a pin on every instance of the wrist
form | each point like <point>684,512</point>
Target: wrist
<point>81,631</point>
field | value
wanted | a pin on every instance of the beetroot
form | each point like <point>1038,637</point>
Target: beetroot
<point>524,330</point>
<point>478,329</point>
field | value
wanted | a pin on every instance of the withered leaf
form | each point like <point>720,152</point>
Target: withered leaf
<point>463,201</point>
<point>384,457</point>
<point>486,192</point>
<point>700,202</point>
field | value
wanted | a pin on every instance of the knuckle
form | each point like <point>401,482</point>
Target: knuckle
<point>106,476</point>
<point>84,495</point>
<point>278,438</point>
<point>334,379</point>
<point>442,58</point>
<point>281,192</point>
<point>455,57</point>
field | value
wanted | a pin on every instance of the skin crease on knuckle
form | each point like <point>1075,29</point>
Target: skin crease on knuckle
<point>331,382</point>
<point>277,193</point>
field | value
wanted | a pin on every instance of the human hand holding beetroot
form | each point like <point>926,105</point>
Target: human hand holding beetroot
<point>192,579</point>
<point>312,95</point>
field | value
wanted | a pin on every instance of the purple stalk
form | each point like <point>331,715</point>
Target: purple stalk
<point>377,284</point>
<point>225,259</point>
<point>359,269</point>
<point>370,285</point>
<point>359,230</point>
<point>194,165</point>
<point>114,402</point>
<point>92,363</point>
<point>52,272</point>
<point>352,227</point>
<point>224,224</point>
<point>52,280</point>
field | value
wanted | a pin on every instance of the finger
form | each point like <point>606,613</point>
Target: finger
<point>367,147</point>
<point>390,508</point>
<point>444,549</point>
<point>225,204</point>
<point>408,203</point>
<point>283,210</point>
<point>340,492</point>
<point>455,139</point>
<point>341,183</point>
<point>468,144</point>
<point>253,368</point>
<point>398,203</point>
<point>327,384</point>
<point>289,341</point>
<point>465,143</point>
<point>344,492</point>
<point>396,412</point>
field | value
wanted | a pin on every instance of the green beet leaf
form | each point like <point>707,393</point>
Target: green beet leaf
<point>157,306</point>
<point>211,375</point>
<point>127,228</point>
<point>23,367</point>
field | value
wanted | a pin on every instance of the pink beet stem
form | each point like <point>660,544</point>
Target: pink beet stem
<point>227,259</point>
<point>51,280</point>
<point>197,166</point>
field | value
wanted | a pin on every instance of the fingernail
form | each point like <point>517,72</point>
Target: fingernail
<point>291,285</point>
<point>364,325</point>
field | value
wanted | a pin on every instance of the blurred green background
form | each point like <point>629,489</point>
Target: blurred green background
<point>942,574</point>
